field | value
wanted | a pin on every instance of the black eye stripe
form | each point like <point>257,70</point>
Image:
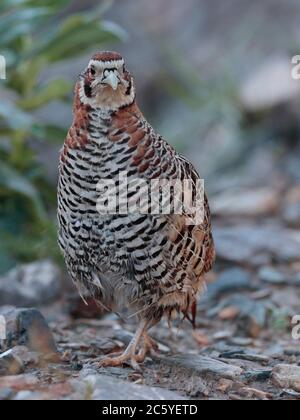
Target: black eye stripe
<point>92,70</point>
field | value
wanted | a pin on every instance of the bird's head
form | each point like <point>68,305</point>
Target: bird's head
<point>106,83</point>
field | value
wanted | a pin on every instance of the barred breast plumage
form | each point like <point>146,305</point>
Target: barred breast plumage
<point>150,264</point>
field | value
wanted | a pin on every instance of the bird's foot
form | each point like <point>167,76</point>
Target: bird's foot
<point>150,345</point>
<point>130,356</point>
<point>132,359</point>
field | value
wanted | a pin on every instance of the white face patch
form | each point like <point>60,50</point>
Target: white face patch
<point>104,98</point>
<point>101,65</point>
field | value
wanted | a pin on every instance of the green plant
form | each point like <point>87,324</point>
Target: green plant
<point>35,35</point>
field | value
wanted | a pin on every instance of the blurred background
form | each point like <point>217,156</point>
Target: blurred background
<point>214,78</point>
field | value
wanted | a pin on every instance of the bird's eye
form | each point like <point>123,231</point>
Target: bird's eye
<point>92,70</point>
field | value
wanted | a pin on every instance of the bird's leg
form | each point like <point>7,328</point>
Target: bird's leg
<point>149,347</point>
<point>130,354</point>
<point>151,344</point>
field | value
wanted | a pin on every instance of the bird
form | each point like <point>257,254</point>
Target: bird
<point>148,265</point>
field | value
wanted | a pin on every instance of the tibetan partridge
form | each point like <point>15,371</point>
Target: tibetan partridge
<point>148,263</point>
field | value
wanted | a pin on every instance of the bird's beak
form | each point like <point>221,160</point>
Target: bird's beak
<point>112,80</point>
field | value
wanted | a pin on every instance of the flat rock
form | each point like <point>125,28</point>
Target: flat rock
<point>30,284</point>
<point>271,275</point>
<point>251,318</point>
<point>245,243</point>
<point>245,355</point>
<point>203,365</point>
<point>228,281</point>
<point>102,387</point>
<point>28,327</point>
<point>287,376</point>
<point>18,382</point>
<point>10,363</point>
<point>6,394</point>
<point>245,202</point>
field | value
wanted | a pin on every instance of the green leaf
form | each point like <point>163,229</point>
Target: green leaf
<point>21,22</point>
<point>77,33</point>
<point>49,132</point>
<point>55,90</point>
<point>52,4</point>
<point>12,180</point>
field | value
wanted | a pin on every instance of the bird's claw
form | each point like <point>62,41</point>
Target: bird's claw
<point>132,360</point>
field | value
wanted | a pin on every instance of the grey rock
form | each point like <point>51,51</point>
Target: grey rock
<point>258,375</point>
<point>28,327</point>
<point>230,280</point>
<point>240,341</point>
<point>102,387</point>
<point>245,202</point>
<point>252,315</point>
<point>27,396</point>
<point>245,355</point>
<point>10,363</point>
<point>6,394</point>
<point>30,284</point>
<point>244,243</point>
<point>203,365</point>
<point>271,275</point>
<point>287,376</point>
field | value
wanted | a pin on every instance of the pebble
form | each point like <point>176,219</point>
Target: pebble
<point>28,327</point>
<point>229,281</point>
<point>102,387</point>
<point>287,376</point>
<point>204,365</point>
<point>10,363</point>
<point>271,275</point>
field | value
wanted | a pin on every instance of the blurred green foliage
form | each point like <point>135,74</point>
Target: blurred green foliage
<point>34,35</point>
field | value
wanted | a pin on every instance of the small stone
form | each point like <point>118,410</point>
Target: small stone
<point>201,339</point>
<point>224,385</point>
<point>258,375</point>
<point>229,313</point>
<point>252,319</point>
<point>246,203</point>
<point>240,341</point>
<point>222,335</point>
<point>244,355</point>
<point>204,365</point>
<point>290,393</point>
<point>244,243</point>
<point>18,382</point>
<point>27,396</point>
<point>28,327</point>
<point>102,387</point>
<point>255,393</point>
<point>287,376</point>
<point>270,275</point>
<point>10,363</point>
<point>252,315</point>
<point>6,394</point>
<point>230,280</point>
